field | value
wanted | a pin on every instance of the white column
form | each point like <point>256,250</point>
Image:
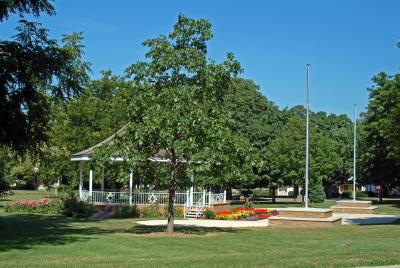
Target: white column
<point>209,198</point>
<point>102,178</point>
<point>80,178</point>
<point>354,154</point>
<point>90,182</point>
<point>204,197</point>
<point>130,187</point>
<point>191,196</point>
<point>224,196</point>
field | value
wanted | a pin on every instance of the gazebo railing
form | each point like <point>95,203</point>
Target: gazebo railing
<point>147,198</point>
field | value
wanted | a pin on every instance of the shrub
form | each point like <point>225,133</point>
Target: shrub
<point>152,211</point>
<point>177,212</point>
<point>346,194</point>
<point>127,212</point>
<point>72,207</point>
<point>316,194</point>
<point>361,194</point>
<point>209,214</point>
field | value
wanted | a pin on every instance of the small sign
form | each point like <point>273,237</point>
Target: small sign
<point>378,188</point>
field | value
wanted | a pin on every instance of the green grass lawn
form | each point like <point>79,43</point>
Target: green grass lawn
<point>50,241</point>
<point>45,241</point>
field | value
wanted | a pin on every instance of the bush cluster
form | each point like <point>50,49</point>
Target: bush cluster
<point>317,193</point>
<point>346,194</point>
<point>73,207</point>
<point>209,214</point>
<point>127,212</point>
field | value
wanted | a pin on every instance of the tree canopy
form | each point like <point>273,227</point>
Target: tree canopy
<point>33,70</point>
<point>177,110</point>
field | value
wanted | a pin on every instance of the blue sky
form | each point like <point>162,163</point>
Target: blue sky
<point>346,42</point>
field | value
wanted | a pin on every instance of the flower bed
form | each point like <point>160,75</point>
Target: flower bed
<point>42,206</point>
<point>247,214</point>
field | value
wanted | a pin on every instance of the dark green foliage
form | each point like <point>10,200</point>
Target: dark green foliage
<point>34,69</point>
<point>209,214</point>
<point>346,194</point>
<point>127,212</point>
<point>73,207</point>
<point>287,154</point>
<point>84,121</point>
<point>257,120</point>
<point>316,193</point>
<point>177,212</point>
<point>380,132</point>
<point>4,170</point>
<point>22,7</point>
<point>152,211</point>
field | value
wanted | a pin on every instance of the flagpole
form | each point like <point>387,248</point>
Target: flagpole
<point>307,134</point>
<point>354,154</point>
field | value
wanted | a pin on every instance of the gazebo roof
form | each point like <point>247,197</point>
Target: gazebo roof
<point>86,154</point>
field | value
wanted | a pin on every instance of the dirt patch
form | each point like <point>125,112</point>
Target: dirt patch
<point>101,215</point>
<point>164,234</point>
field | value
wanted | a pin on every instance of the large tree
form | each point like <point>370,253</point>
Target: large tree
<point>82,122</point>
<point>287,155</point>
<point>256,119</point>
<point>176,111</point>
<point>34,68</point>
<point>380,132</point>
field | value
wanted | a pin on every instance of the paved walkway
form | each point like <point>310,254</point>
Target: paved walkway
<point>362,219</point>
<point>347,219</point>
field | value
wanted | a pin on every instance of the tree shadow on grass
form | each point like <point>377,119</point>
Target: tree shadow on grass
<point>22,231</point>
<point>179,230</point>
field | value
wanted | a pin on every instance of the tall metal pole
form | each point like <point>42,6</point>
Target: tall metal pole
<point>307,133</point>
<point>354,154</point>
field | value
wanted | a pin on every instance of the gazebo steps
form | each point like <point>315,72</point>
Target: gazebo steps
<point>305,222</point>
<point>351,203</point>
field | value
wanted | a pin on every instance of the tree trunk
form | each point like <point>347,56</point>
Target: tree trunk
<point>171,200</point>
<point>329,189</point>
<point>229,193</point>
<point>295,192</point>
<point>273,195</point>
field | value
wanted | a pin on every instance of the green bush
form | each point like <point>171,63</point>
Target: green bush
<point>152,211</point>
<point>177,212</point>
<point>127,212</point>
<point>361,194</point>
<point>346,194</point>
<point>72,207</point>
<point>209,214</point>
<point>316,194</point>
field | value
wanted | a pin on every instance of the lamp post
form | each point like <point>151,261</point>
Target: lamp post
<point>307,134</point>
<point>354,153</point>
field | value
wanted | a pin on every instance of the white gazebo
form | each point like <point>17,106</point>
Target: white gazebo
<point>190,200</point>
